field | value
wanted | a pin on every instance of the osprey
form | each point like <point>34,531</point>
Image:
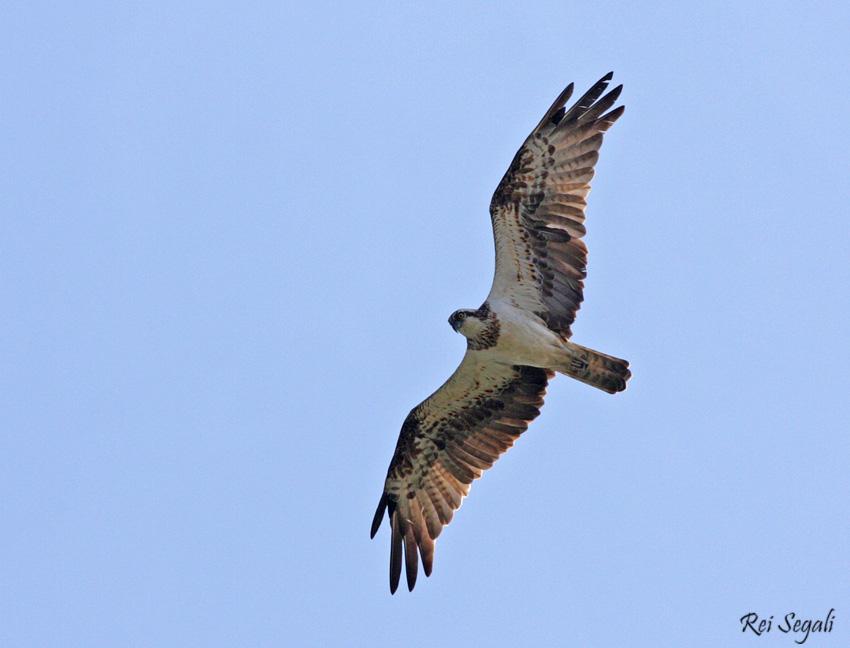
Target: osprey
<point>516,340</point>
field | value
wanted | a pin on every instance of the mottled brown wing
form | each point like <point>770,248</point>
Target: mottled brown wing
<point>445,443</point>
<point>538,209</point>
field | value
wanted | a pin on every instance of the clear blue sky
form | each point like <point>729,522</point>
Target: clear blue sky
<point>231,237</point>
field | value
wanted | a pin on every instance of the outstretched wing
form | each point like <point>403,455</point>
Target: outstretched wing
<point>445,443</point>
<point>538,208</point>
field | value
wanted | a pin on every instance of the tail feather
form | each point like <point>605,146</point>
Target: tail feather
<point>596,369</point>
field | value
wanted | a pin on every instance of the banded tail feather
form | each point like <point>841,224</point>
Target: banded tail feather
<point>596,369</point>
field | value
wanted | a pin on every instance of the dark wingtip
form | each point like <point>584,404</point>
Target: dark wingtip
<point>395,555</point>
<point>613,116</point>
<point>556,110</point>
<point>411,560</point>
<point>379,515</point>
<point>428,559</point>
<point>587,100</point>
<point>615,93</point>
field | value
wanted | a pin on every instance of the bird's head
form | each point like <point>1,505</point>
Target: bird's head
<point>468,322</point>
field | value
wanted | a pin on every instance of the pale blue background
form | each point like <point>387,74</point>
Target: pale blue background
<point>232,234</point>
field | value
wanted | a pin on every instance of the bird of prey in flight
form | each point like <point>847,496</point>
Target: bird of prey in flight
<point>516,341</point>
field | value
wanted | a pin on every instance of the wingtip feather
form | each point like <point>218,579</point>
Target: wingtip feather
<point>379,515</point>
<point>411,559</point>
<point>395,555</point>
<point>556,110</point>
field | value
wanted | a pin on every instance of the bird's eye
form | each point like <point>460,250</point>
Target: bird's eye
<point>461,316</point>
